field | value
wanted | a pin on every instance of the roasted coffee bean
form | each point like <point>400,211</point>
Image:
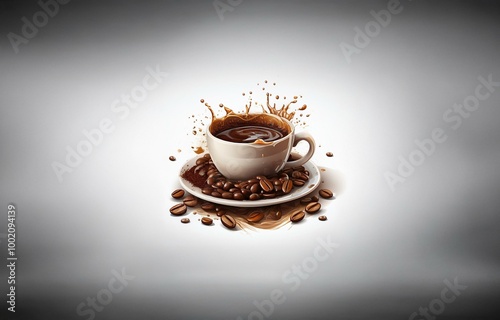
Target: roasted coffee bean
<point>227,195</point>
<point>313,207</point>
<point>216,194</point>
<point>177,194</point>
<point>252,181</point>
<point>255,188</point>
<point>219,184</point>
<point>297,216</point>
<point>268,195</point>
<point>220,213</point>
<point>210,181</point>
<point>201,160</point>
<point>213,173</point>
<point>255,216</point>
<point>220,190</point>
<point>198,168</point>
<point>238,196</point>
<point>315,198</point>
<point>266,185</point>
<point>228,185</point>
<point>233,190</point>
<point>287,186</point>
<point>206,221</point>
<point>329,154</point>
<point>185,220</point>
<point>299,168</point>
<point>172,158</point>
<point>242,184</point>
<point>305,200</point>
<point>179,209</point>
<point>207,190</point>
<point>276,214</point>
<point>322,218</point>
<point>246,193</point>
<point>228,221</point>
<point>300,175</point>
<point>207,155</point>
<point>325,193</point>
<point>298,182</point>
<point>208,206</point>
<point>190,201</point>
<point>254,196</point>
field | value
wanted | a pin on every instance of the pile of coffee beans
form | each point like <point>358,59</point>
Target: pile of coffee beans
<point>211,182</point>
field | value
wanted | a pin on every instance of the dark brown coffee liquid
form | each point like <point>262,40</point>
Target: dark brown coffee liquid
<point>249,134</point>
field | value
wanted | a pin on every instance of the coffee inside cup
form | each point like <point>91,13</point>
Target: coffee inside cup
<point>257,128</point>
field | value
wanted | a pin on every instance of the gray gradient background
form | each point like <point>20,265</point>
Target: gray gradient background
<point>396,248</point>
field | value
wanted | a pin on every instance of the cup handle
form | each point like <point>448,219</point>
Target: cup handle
<point>312,146</point>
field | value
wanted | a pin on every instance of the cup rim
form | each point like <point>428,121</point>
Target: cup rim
<point>290,124</point>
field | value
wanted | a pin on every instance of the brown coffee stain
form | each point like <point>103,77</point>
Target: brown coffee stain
<point>268,218</point>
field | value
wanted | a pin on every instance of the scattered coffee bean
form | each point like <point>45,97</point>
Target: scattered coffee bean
<point>297,216</point>
<point>178,209</point>
<point>255,216</point>
<point>206,221</point>
<point>185,220</point>
<point>314,198</point>
<point>313,207</point>
<point>228,221</point>
<point>325,193</point>
<point>171,158</point>
<point>329,154</point>
<point>322,218</point>
<point>190,201</point>
<point>177,194</point>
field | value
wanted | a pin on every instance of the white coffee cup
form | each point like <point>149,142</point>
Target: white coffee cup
<point>239,161</point>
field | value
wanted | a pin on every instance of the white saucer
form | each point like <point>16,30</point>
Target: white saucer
<point>310,186</point>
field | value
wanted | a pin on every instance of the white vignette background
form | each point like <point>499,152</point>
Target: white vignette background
<point>407,101</point>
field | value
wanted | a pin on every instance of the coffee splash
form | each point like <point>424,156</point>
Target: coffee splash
<point>274,104</point>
